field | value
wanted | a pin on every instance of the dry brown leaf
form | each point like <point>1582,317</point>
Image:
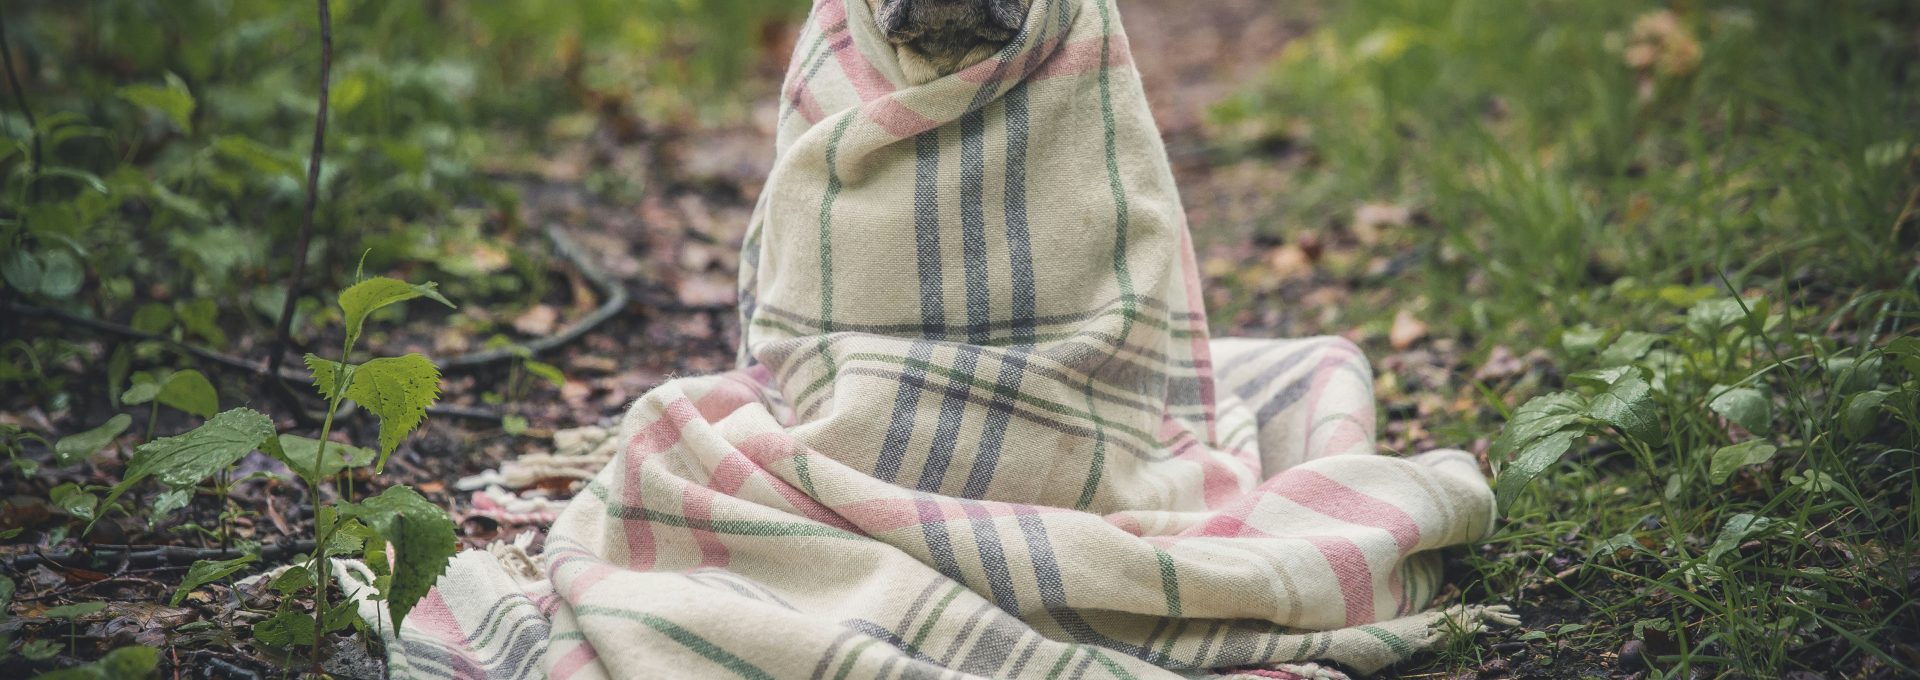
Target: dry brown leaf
<point>1406,330</point>
<point>537,320</point>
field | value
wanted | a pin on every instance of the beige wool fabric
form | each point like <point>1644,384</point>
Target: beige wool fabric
<point>979,428</point>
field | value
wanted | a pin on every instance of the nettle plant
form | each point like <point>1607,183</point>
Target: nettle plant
<point>420,536</point>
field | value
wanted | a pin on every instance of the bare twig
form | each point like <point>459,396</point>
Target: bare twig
<point>616,300</point>
<point>283,335</point>
<point>111,328</point>
<point>20,96</point>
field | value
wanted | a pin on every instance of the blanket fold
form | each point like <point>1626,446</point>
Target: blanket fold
<point>979,427</point>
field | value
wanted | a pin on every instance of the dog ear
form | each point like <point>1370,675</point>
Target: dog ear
<point>1008,14</point>
<point>892,16</point>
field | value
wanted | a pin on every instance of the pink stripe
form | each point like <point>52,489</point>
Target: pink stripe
<point>1321,494</point>
<point>867,80</point>
<point>650,440</point>
<point>1350,567</point>
<point>696,504</point>
<point>574,660</point>
<point>896,118</point>
<point>1083,56</point>
<point>765,450</point>
<point>1339,354</point>
<point>725,398</point>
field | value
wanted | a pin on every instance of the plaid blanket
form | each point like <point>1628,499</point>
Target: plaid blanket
<point>979,428</point>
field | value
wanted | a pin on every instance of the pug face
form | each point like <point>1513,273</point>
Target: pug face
<point>949,34</point>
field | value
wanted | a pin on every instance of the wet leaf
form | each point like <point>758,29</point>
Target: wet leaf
<point>285,629</point>
<point>298,453</point>
<point>1628,405</point>
<point>82,445</point>
<point>365,297</point>
<point>1539,417</point>
<point>398,390</point>
<point>190,391</point>
<point>1533,458</point>
<point>185,460</point>
<point>74,500</point>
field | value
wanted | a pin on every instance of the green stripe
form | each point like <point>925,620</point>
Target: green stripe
<point>730,527</point>
<point>1062,663</point>
<point>1003,391</point>
<point>806,476</point>
<point>1121,218</point>
<point>853,656</point>
<point>1394,642</point>
<point>1111,667</point>
<point>826,235</point>
<point>686,638</point>
<point>1169,582</point>
<point>926,628</point>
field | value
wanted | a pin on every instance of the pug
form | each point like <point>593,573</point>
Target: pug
<point>939,37</point>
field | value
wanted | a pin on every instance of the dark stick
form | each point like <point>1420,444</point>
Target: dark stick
<point>616,300</point>
<point>283,336</point>
<point>147,556</point>
<point>20,95</point>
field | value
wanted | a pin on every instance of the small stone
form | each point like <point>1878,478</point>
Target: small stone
<point>1632,655</point>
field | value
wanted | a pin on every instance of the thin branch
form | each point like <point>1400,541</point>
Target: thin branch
<point>283,336</point>
<point>616,300</point>
<point>20,96</point>
<point>111,328</point>
<point>147,556</point>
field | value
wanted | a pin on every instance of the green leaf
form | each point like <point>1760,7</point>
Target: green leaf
<point>297,452</point>
<point>328,374</point>
<point>137,661</point>
<point>40,650</point>
<point>167,502</point>
<point>79,446</point>
<point>1907,350</point>
<point>1629,347</point>
<point>259,156</point>
<point>190,391</point>
<point>398,390</point>
<point>293,580</point>
<point>423,539</point>
<point>6,597</point>
<point>174,100</point>
<point>1731,458</point>
<point>1629,406</point>
<point>549,372</point>
<point>1862,413</point>
<point>1582,339</point>
<point>1738,529</point>
<point>1746,407</point>
<point>1709,317</point>
<point>140,393</point>
<point>21,269</point>
<point>285,629</point>
<point>207,571</point>
<point>513,424</point>
<point>365,297</point>
<point>75,611</point>
<point>185,460</point>
<point>1539,417</point>
<point>62,276</point>
<point>74,501</point>
<point>1533,458</point>
<point>153,318</point>
<point>201,316</point>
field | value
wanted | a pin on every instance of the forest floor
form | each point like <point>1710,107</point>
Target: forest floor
<point>661,208</point>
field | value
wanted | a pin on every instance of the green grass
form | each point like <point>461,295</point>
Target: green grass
<point>1718,200</point>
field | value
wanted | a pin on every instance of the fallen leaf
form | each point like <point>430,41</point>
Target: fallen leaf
<point>1501,363</point>
<point>537,320</point>
<point>1370,218</point>
<point>1290,262</point>
<point>1406,330</point>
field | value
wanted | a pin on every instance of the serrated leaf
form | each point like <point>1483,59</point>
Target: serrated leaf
<point>185,460</point>
<point>1629,347</point>
<point>82,445</point>
<point>297,453</point>
<point>423,540</point>
<point>61,275</point>
<point>1746,407</point>
<point>328,374</point>
<point>201,316</point>
<point>548,372</point>
<point>1539,417</point>
<point>365,297</point>
<point>1628,405</point>
<point>174,100</point>
<point>1730,458</point>
<point>190,391</point>
<point>207,571</point>
<point>137,661</point>
<point>398,390</point>
<point>140,393</point>
<point>285,629</point>
<point>1532,459</point>
<point>21,269</point>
